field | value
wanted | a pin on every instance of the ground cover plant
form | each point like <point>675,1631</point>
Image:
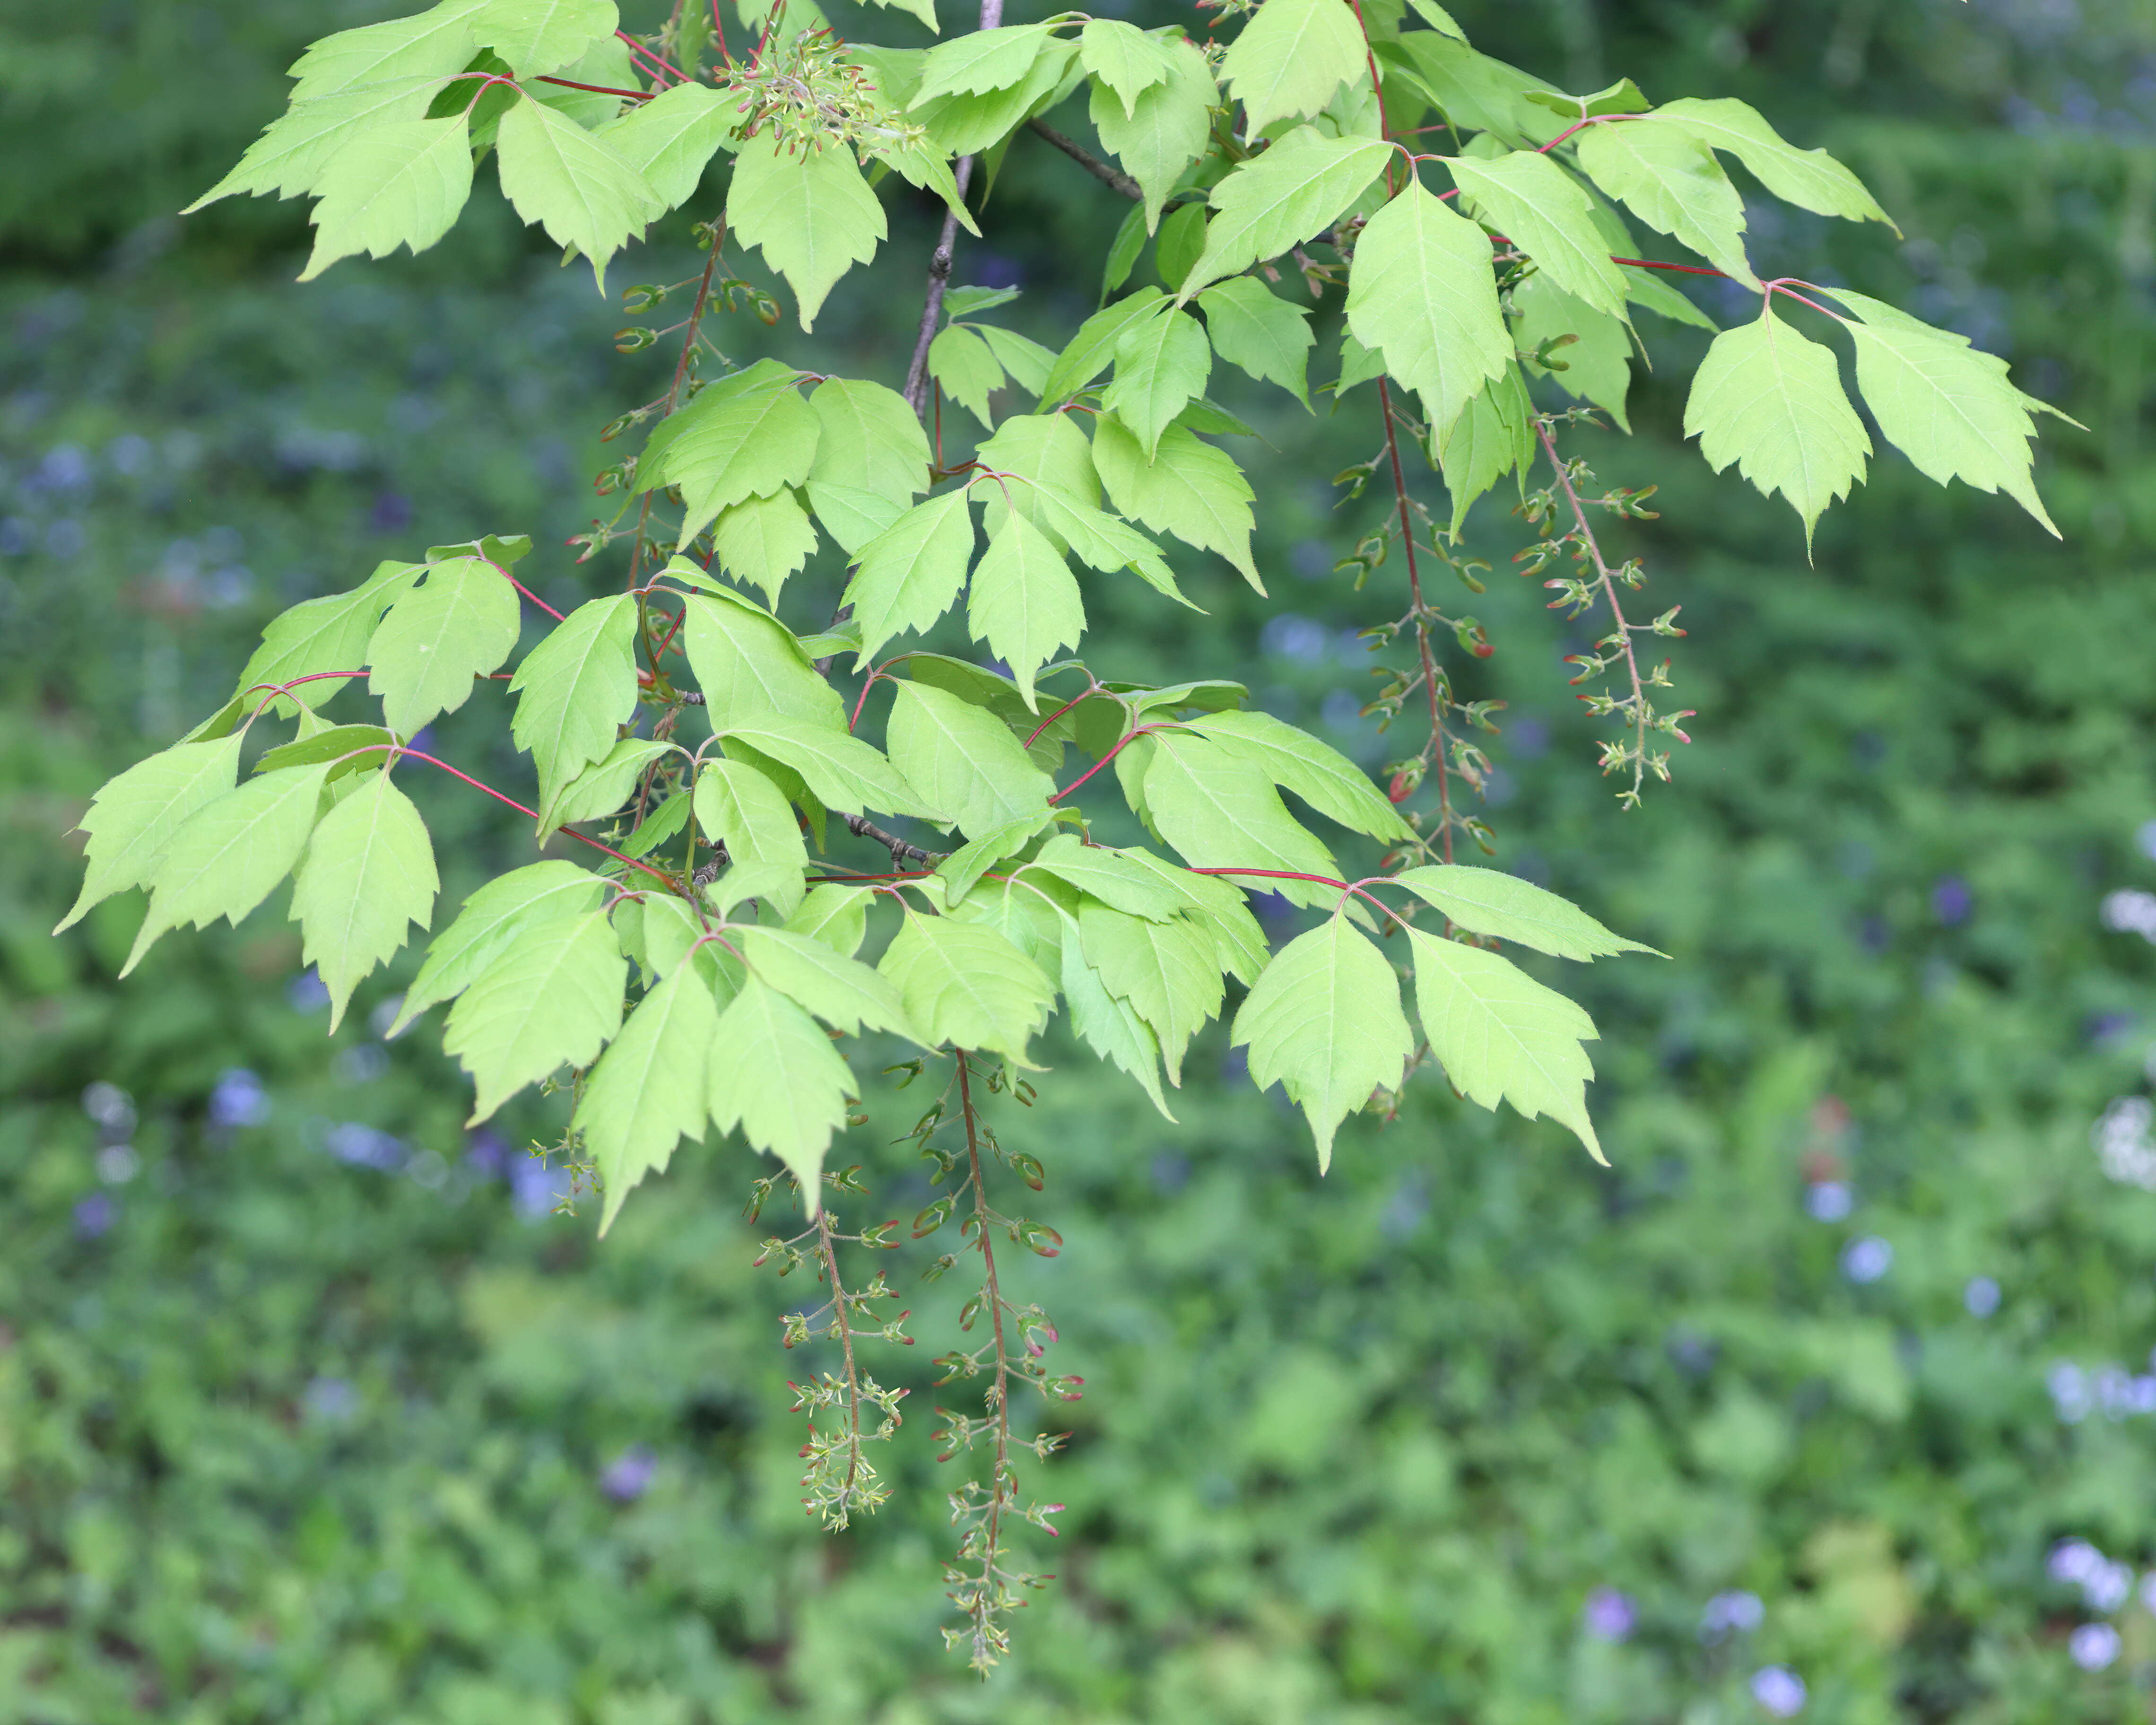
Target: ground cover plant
<point>1402,777</point>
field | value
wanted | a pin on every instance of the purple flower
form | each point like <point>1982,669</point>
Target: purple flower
<point>237,1099</point>
<point>1740,1611</point>
<point>94,1215</point>
<point>1980,1296</point>
<point>307,993</point>
<point>2074,1560</point>
<point>2109,1587</point>
<point>1608,1616</point>
<point>1952,900</point>
<point>629,1476</point>
<point>1829,1200</point>
<point>2093,1645</point>
<point>1867,1259</point>
<point>1780,1690</point>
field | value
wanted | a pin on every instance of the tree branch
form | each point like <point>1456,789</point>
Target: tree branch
<point>1106,172</point>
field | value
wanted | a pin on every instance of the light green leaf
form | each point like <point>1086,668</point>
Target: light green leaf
<point>853,517</point>
<point>431,43</point>
<point>1028,362</point>
<point>1438,18</point>
<point>1944,404</point>
<point>840,990</point>
<point>779,1079</point>
<point>575,689</point>
<point>1125,58</point>
<point>1049,453</point>
<point>749,666</point>
<point>1217,810</point>
<point>1160,364</point>
<point>1166,129</point>
<point>1220,909</point>
<point>1484,901</point>
<point>1645,288</point>
<point>1109,876</point>
<point>966,124</point>
<point>1104,542</point>
<point>670,139</point>
<point>1810,179</point>
<point>601,789</point>
<point>1358,364</point>
<point>748,436</point>
<point>911,574</point>
<point>961,870</point>
<point>369,870</point>
<point>1290,58</point>
<point>572,183</point>
<point>835,915</point>
<point>980,62</point>
<point>401,183</point>
<point>1670,180</point>
<point>966,369</point>
<point>460,624</point>
<point>739,808</point>
<point>224,859</point>
<point>1493,435</point>
<point>1168,972</point>
<point>537,37</point>
<point>763,540</point>
<point>1474,90</point>
<point>606,64</point>
<point>651,1089</point>
<point>1278,200</point>
<point>869,439</point>
<point>1770,400</point>
<point>919,164</point>
<point>1093,347</point>
<point>1597,365</point>
<point>925,10</point>
<point>552,997</point>
<point>1189,488</point>
<point>133,817</point>
<point>1111,1028</point>
<point>491,919</point>
<point>963,759</point>
<point>1123,250</point>
<point>843,771</point>
<point>1529,199</point>
<point>348,748</point>
<point>295,152</point>
<point>810,211</point>
<point>1502,1035</point>
<point>1421,292</point>
<point>1324,1023</point>
<point>1296,760</point>
<point>1024,602</point>
<point>1253,327</point>
<point>965,984</point>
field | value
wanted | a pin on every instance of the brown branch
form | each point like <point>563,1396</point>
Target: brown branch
<point>1106,172</point>
<point>1422,625</point>
<point>901,851</point>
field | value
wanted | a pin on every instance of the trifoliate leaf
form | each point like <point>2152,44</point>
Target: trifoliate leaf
<point>1493,435</point>
<point>810,211</point>
<point>401,183</point>
<point>369,870</point>
<point>844,772</point>
<point>652,1088</point>
<point>1484,901</point>
<point>348,748</point>
<point>842,991</point>
<point>869,439</point>
<point>739,808</point>
<point>1324,1023</point>
<point>1110,875</point>
<point>1218,810</point>
<point>1810,179</point>
<point>1296,760</point>
<point>1277,200</point>
<point>1253,327</point>
<point>552,997</point>
<point>1771,401</point>
<point>1045,453</point>
<point>537,37</point>
<point>1529,199</point>
<point>966,368</point>
<point>224,859</point>
<point>967,124</point>
<point>1190,489</point>
<point>459,623</point>
<point>1167,970</point>
<point>295,152</point>
<point>750,667</point>
<point>1502,1035</point>
<point>1024,602</point>
<point>965,984</point>
<point>775,1074</point>
<point>1166,128</point>
<point>835,915</point>
<point>961,871</point>
<point>431,43</point>
<point>1422,293</point>
<point>671,139</point>
<point>490,920</point>
<point>1670,180</point>
<point>572,183</point>
<point>1090,351</point>
<point>603,787</point>
<point>763,540</point>
<point>852,517</point>
<point>982,61</point>
<point>1290,58</point>
<point>1946,405</point>
<point>1160,364</point>
<point>575,689</point>
<point>963,759</point>
<point>1598,361</point>
<point>911,574</point>
<point>1125,58</point>
<point>1111,1027</point>
<point>134,816</point>
<point>747,436</point>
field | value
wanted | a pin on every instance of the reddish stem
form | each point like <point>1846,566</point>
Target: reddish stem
<point>656,874</point>
<point>634,95</point>
<point>1034,734</point>
<point>652,63</point>
<point>1120,745</point>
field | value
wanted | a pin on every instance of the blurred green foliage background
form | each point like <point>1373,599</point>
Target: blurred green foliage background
<point>1832,1398</point>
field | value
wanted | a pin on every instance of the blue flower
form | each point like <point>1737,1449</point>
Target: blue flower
<point>1608,1616</point>
<point>1780,1690</point>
